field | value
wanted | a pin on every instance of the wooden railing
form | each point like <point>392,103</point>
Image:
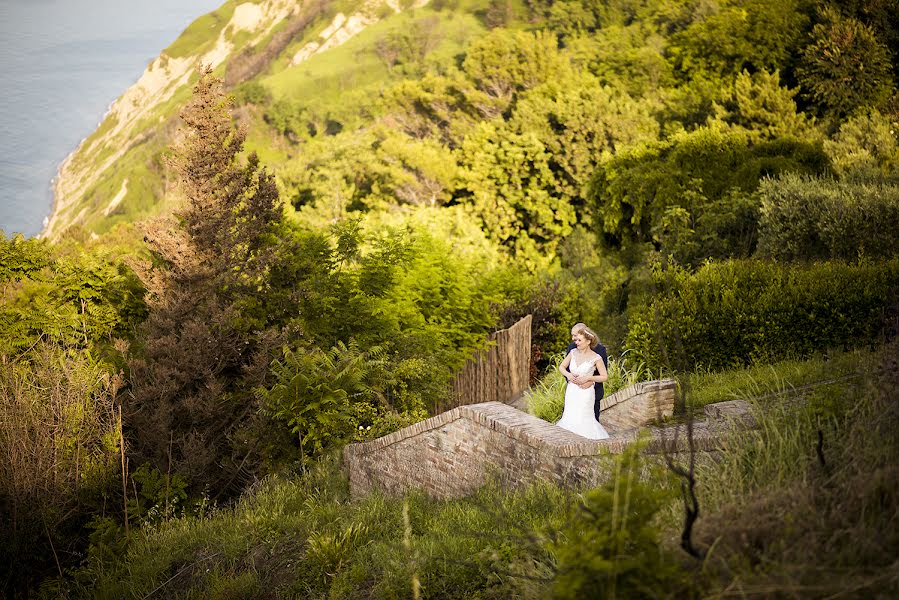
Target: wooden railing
<point>499,373</point>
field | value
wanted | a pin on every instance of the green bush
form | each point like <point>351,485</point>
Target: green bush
<point>612,547</point>
<point>846,66</point>
<point>692,196</point>
<point>252,92</point>
<point>750,34</point>
<point>329,397</point>
<point>815,218</point>
<point>865,148</point>
<point>80,301</point>
<point>739,312</point>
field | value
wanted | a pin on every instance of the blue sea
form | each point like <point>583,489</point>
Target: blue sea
<point>62,63</point>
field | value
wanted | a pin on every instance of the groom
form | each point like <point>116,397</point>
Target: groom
<point>599,349</point>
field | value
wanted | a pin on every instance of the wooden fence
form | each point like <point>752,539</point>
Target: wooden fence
<point>499,373</point>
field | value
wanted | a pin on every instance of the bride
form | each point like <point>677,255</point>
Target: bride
<point>578,415</point>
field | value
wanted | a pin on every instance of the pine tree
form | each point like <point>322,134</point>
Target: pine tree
<point>206,342</point>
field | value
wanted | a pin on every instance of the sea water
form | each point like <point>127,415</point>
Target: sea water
<point>62,63</point>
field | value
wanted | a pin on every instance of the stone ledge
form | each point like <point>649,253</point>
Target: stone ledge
<point>434,422</point>
<point>637,389</point>
<point>540,434</point>
<point>452,453</point>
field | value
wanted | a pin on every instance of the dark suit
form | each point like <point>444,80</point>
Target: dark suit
<point>597,387</point>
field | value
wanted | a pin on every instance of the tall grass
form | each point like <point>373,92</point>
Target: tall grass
<point>59,449</point>
<point>305,537</point>
<point>806,504</point>
<point>775,380</point>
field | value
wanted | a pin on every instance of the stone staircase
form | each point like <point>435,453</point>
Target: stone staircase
<point>456,452</point>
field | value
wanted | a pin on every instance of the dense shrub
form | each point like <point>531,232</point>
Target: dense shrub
<point>751,34</point>
<point>865,148</point>
<point>738,312</point>
<point>690,196</point>
<point>814,218</point>
<point>846,66</point>
<point>81,301</point>
<point>59,459</point>
<point>327,398</point>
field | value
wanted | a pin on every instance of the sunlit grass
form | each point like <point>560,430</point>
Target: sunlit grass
<point>775,379</point>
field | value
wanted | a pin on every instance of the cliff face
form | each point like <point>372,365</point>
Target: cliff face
<point>122,156</point>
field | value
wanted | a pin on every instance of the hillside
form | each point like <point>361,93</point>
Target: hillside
<point>350,197</point>
<point>296,49</point>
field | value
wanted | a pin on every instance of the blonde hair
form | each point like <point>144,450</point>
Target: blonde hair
<point>587,333</point>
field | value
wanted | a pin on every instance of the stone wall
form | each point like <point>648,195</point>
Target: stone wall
<point>638,405</point>
<point>454,453</point>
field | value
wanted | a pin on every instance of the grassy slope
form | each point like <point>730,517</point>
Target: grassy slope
<point>324,79</point>
<point>348,76</point>
<point>202,33</point>
<point>305,537</point>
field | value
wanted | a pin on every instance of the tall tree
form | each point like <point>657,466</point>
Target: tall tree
<point>845,67</point>
<point>205,343</point>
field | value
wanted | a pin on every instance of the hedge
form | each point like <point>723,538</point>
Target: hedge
<point>743,311</point>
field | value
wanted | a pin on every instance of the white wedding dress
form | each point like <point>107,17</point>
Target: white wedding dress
<point>578,416</point>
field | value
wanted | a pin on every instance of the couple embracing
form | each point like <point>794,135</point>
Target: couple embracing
<point>585,369</point>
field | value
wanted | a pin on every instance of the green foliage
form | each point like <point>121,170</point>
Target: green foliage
<point>745,34</point>
<point>366,171</point>
<point>80,301</point>
<point>881,17</point>
<point>307,537</point>
<point>252,92</point>
<point>740,312</point>
<point>691,196</point>
<point>20,257</point>
<point>625,371</point>
<point>407,48</point>
<point>508,177</point>
<point>467,158</point>
<point>845,67</point>
<point>759,106</point>
<point>612,545</point>
<point>813,218</point>
<point>315,393</point>
<point>524,178</point>
<point>546,398</point>
<point>159,496</point>
<point>774,381</point>
<point>629,58</point>
<point>444,107</point>
<point>578,122</point>
<point>865,148</point>
<point>504,63</point>
<point>499,13</point>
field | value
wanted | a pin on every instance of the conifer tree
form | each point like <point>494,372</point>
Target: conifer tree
<point>206,341</point>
